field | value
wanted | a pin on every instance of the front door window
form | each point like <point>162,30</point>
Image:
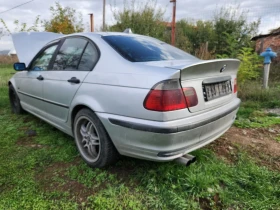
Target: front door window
<point>41,63</point>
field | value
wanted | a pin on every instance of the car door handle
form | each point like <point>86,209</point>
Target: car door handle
<point>74,80</point>
<point>40,78</point>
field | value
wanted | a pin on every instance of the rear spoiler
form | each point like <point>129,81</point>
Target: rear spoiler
<point>28,44</point>
<point>209,68</point>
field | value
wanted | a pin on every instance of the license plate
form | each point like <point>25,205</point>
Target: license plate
<point>216,90</point>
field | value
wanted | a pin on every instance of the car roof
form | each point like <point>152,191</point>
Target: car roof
<point>95,34</point>
<point>100,34</point>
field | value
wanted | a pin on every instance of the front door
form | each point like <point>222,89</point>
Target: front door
<point>30,83</point>
<point>74,60</point>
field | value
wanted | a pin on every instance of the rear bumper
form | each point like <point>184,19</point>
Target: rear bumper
<point>163,141</point>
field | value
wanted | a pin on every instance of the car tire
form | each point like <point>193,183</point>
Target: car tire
<point>14,101</point>
<point>92,140</point>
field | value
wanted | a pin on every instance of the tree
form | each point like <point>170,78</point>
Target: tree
<point>276,30</point>
<point>64,20</point>
<point>2,32</point>
<point>233,31</point>
<point>20,26</point>
<point>145,19</point>
<point>199,35</point>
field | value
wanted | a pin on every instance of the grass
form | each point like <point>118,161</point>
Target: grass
<point>251,116</point>
<point>255,100</point>
<point>252,91</point>
<point>45,172</point>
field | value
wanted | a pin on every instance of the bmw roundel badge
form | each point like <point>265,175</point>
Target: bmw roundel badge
<point>223,68</point>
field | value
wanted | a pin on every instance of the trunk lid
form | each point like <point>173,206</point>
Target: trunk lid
<point>213,81</point>
<point>205,76</point>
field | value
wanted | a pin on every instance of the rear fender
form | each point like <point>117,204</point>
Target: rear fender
<point>83,100</point>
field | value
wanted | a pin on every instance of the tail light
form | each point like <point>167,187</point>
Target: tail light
<point>191,97</point>
<point>235,86</point>
<point>168,96</point>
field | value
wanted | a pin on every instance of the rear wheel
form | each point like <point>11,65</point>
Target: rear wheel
<point>14,101</point>
<point>92,140</point>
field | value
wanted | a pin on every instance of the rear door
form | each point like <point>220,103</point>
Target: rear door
<point>74,60</point>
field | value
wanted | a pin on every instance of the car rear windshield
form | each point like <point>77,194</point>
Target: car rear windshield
<point>143,49</point>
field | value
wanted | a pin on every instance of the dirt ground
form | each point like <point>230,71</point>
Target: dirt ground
<point>260,144</point>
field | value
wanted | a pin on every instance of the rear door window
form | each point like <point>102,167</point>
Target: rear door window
<point>69,55</point>
<point>89,58</point>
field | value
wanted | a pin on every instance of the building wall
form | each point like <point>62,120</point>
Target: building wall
<point>272,41</point>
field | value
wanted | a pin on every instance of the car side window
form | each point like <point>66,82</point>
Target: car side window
<point>89,58</point>
<point>69,54</point>
<point>41,63</point>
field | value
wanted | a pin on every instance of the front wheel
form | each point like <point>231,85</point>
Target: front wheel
<point>92,140</point>
<point>14,101</point>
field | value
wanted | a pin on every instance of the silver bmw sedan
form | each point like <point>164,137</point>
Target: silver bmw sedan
<point>123,94</point>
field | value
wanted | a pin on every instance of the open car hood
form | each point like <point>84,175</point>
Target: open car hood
<point>28,44</point>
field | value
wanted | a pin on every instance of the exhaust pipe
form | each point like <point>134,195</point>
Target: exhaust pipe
<point>186,160</point>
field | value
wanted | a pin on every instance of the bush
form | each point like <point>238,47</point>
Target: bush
<point>274,74</point>
<point>250,65</point>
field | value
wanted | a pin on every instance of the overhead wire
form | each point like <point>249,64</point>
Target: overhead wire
<point>16,7</point>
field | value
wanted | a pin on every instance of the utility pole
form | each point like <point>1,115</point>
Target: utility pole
<point>104,6</point>
<point>91,22</point>
<point>173,22</point>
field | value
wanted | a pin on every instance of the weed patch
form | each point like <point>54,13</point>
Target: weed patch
<point>250,115</point>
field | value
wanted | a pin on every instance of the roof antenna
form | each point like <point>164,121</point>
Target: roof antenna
<point>128,31</point>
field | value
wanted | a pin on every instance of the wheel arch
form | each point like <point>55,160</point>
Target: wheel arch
<point>79,107</point>
<point>74,112</point>
<point>79,102</point>
<point>12,82</point>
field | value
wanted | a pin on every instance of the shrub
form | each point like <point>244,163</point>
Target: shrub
<point>274,74</point>
<point>250,65</point>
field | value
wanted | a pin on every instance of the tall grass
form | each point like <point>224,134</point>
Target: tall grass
<point>8,60</point>
<point>6,72</point>
<point>254,92</point>
<point>254,100</point>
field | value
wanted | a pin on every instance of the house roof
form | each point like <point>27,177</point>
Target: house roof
<point>273,32</point>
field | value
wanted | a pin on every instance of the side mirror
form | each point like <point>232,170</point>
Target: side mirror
<point>19,66</point>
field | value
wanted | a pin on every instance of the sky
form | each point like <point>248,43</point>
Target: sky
<point>267,11</point>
